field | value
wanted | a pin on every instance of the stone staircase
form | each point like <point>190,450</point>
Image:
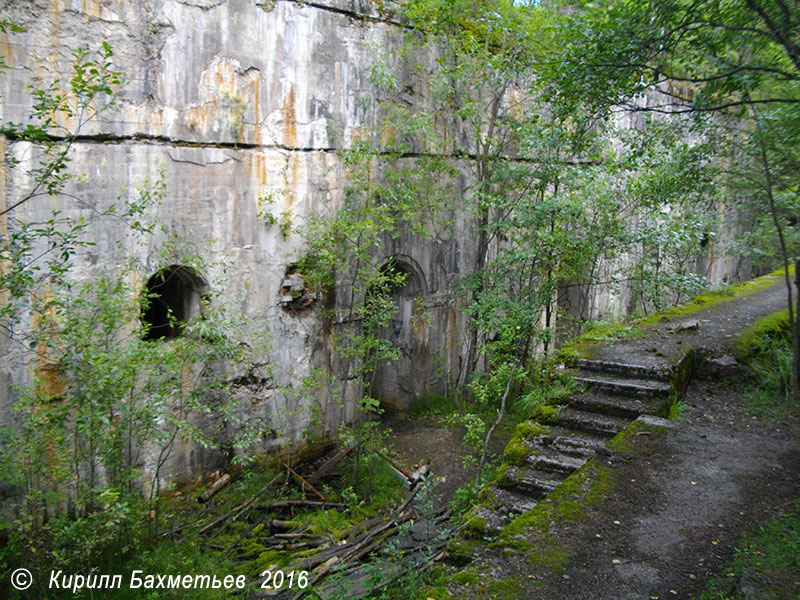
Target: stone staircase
<point>612,396</point>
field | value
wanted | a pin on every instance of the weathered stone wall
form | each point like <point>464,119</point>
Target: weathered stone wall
<point>243,104</point>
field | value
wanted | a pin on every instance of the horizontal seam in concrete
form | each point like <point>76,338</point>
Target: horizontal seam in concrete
<point>350,13</point>
<point>104,138</point>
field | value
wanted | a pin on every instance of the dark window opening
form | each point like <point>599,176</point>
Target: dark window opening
<point>403,285</point>
<point>174,295</point>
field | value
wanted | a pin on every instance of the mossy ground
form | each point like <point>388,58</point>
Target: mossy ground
<point>749,341</point>
<point>590,343</point>
<point>623,442</point>
<point>724,294</point>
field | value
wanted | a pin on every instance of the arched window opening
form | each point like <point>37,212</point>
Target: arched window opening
<point>404,295</point>
<point>174,294</point>
<point>397,382</point>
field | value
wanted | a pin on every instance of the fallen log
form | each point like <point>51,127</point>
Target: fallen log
<point>419,474</point>
<point>303,482</point>
<point>239,510</point>
<point>330,463</point>
<point>216,486</point>
<point>297,536</point>
<point>367,542</point>
<point>358,528</point>
<point>362,546</point>
<point>399,472</point>
<point>282,504</point>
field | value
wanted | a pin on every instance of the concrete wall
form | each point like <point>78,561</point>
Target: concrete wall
<point>243,104</point>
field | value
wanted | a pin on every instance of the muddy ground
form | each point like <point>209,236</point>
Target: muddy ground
<point>430,441</point>
<point>680,501</point>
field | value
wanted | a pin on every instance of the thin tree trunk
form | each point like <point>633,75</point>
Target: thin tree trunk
<point>796,336</point>
<point>500,414</point>
<point>794,317</point>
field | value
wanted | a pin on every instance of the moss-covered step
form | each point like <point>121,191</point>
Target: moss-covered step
<point>531,482</point>
<point>572,443</point>
<point>546,458</point>
<point>609,367</point>
<point>510,502</point>
<point>618,406</point>
<point>591,422</point>
<point>620,386</point>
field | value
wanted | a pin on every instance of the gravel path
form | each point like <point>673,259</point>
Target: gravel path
<point>685,492</point>
<point>717,325</point>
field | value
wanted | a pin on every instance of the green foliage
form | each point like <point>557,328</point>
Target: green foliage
<point>35,250</point>
<point>373,483</point>
<point>770,395</point>
<point>771,555</point>
<point>464,498</point>
<point>771,327</point>
<point>118,397</point>
<point>765,348</point>
<point>734,60</point>
<point>95,428</point>
<point>677,410</point>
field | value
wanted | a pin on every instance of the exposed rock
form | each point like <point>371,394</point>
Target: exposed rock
<point>721,366</point>
<point>754,586</point>
<point>688,326</point>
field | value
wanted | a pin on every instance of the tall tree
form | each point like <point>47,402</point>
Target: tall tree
<point>737,60</point>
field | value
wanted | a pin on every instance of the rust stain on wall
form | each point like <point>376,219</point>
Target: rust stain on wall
<point>258,170</point>
<point>44,368</point>
<point>451,327</point>
<point>225,91</point>
<point>91,8</point>
<point>292,181</point>
<point>290,120</point>
<point>257,137</point>
<point>515,104</point>
<point>7,49</point>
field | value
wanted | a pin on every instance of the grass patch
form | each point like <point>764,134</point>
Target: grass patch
<point>677,410</point>
<point>604,331</point>
<point>770,558</point>
<point>749,341</point>
<point>766,348</point>
<point>429,404</point>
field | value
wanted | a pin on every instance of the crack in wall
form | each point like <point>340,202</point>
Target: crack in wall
<point>178,143</point>
<point>208,5</point>
<point>269,5</point>
<point>350,13</point>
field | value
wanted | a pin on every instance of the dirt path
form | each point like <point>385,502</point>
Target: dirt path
<point>717,325</point>
<point>679,505</point>
<point>679,497</point>
<point>417,443</point>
